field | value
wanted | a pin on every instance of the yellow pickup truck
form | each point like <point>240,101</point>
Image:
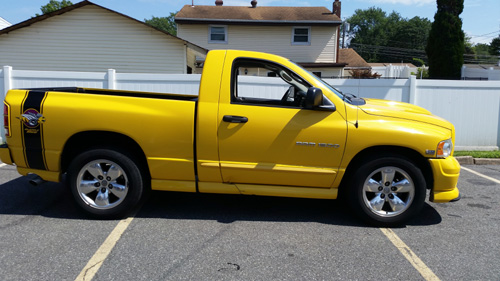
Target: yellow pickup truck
<point>261,125</point>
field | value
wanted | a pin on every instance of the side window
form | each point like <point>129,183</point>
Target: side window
<point>264,83</point>
<point>301,36</point>
<point>217,34</point>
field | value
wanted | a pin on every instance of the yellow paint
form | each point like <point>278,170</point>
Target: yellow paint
<point>275,168</point>
<point>217,187</point>
<point>171,168</point>
<point>288,191</point>
<point>171,185</point>
<point>258,157</point>
<point>93,265</point>
<point>445,172</point>
<point>444,196</point>
<point>414,260</point>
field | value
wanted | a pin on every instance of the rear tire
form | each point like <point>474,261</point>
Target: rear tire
<point>387,191</point>
<point>106,183</point>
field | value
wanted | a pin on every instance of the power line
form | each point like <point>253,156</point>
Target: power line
<point>410,54</point>
<point>485,34</point>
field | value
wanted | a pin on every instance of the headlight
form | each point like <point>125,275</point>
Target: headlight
<point>444,148</point>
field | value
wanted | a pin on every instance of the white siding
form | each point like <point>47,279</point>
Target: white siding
<point>269,39</point>
<point>92,39</point>
<point>191,60</point>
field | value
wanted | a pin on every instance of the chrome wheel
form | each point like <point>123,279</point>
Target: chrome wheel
<point>102,184</point>
<point>388,191</point>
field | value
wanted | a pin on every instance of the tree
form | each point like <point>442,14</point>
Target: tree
<point>469,46</point>
<point>494,48</point>
<point>381,37</point>
<point>54,5</point>
<point>480,54</point>
<point>166,24</point>
<point>482,49</point>
<point>445,46</point>
<point>411,34</point>
<point>368,29</point>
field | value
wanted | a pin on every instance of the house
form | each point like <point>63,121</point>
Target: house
<point>88,37</point>
<point>307,35</point>
<point>4,23</point>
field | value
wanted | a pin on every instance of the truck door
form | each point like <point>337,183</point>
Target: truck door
<point>266,136</point>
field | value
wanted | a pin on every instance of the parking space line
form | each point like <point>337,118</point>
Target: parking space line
<point>102,253</point>
<point>417,263</point>
<point>481,175</point>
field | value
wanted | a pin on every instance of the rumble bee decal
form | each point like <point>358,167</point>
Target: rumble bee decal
<point>31,119</point>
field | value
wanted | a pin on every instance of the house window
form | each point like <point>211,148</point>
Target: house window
<point>301,36</point>
<point>217,34</point>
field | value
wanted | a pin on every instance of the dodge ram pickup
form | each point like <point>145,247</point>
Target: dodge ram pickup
<point>260,125</point>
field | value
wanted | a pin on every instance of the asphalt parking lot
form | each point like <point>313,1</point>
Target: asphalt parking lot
<point>176,236</point>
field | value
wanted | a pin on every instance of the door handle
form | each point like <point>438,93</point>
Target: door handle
<point>234,119</point>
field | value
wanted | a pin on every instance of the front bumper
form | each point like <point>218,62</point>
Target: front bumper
<point>445,172</point>
<point>5,154</point>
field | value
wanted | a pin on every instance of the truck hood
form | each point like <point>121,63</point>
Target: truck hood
<point>403,110</point>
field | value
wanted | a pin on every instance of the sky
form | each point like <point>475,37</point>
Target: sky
<point>481,18</point>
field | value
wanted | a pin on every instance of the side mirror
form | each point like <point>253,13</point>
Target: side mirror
<point>314,98</point>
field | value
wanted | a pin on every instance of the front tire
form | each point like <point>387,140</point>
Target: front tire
<point>105,183</point>
<point>388,191</point>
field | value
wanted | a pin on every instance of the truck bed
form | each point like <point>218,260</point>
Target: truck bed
<point>117,93</point>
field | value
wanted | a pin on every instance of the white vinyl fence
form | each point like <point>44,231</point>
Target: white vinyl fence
<point>472,106</point>
<point>394,71</point>
<point>490,73</point>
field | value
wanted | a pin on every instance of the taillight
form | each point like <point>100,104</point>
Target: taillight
<point>6,121</point>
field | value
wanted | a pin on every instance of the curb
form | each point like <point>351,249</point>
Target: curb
<point>468,160</point>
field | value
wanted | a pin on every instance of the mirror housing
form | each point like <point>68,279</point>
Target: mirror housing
<point>314,98</point>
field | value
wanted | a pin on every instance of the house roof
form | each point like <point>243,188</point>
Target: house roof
<point>4,23</point>
<point>352,58</point>
<point>482,66</point>
<point>79,5</point>
<point>257,16</point>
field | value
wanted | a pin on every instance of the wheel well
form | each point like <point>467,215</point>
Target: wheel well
<point>101,139</point>
<point>411,155</point>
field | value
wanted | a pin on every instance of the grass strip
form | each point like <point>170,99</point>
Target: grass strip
<point>479,154</point>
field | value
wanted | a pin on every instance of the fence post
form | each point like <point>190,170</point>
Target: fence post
<point>406,72</point>
<point>111,79</point>
<point>413,89</point>
<point>7,79</point>
<point>7,85</point>
<point>462,74</point>
<point>493,74</point>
